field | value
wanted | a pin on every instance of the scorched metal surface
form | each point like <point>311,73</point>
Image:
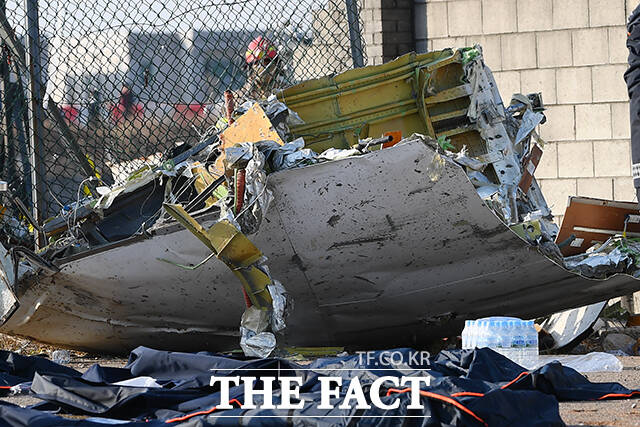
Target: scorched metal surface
<point>386,249</point>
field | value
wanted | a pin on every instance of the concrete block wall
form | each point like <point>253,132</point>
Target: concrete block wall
<point>388,29</point>
<point>574,52</point>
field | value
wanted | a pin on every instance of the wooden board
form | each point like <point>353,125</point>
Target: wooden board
<point>594,220</point>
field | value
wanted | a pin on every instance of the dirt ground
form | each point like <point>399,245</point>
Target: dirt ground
<point>610,413</point>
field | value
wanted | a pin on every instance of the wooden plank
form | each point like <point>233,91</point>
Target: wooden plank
<point>592,220</point>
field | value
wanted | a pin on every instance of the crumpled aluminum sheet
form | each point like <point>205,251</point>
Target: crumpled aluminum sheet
<point>257,197</point>
<point>487,191</point>
<point>226,214</point>
<point>478,178</point>
<point>288,156</point>
<point>600,263</point>
<point>257,326</point>
<point>255,320</point>
<point>337,154</point>
<point>282,304</point>
<point>503,201</point>
<point>529,122</point>
<point>280,116</point>
<point>462,158</point>
<point>257,345</point>
<point>255,340</point>
<point>238,155</point>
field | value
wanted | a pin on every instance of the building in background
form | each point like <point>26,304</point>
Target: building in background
<point>574,51</point>
<point>164,71</point>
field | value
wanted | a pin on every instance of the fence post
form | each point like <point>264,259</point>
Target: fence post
<point>353,17</point>
<point>4,122</point>
<point>36,115</point>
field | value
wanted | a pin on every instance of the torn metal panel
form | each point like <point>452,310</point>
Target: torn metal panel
<point>393,251</point>
<point>252,126</point>
<point>8,301</point>
<point>339,111</point>
<point>567,326</point>
<point>417,238</point>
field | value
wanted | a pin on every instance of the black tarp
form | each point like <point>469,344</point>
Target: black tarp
<point>467,387</point>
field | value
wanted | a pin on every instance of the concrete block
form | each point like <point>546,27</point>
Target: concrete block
<point>623,190</point>
<point>560,125</point>
<point>464,17</point>
<point>397,4</point>
<point>570,14</point>
<point>573,85</point>
<point>593,121</point>
<point>439,44</point>
<point>540,81</point>
<point>499,16</point>
<point>606,12</point>
<point>437,20</point>
<point>548,167</point>
<point>612,158</point>
<point>590,46</point>
<point>398,37</point>
<point>407,26</point>
<point>518,51</point>
<point>618,52</point>
<point>575,159</point>
<point>609,84</point>
<point>368,38</point>
<point>557,192</point>
<point>554,49</point>
<point>389,26</point>
<point>397,14</point>
<point>601,188</point>
<point>491,50</point>
<point>374,26</point>
<point>535,15</point>
<point>620,120</point>
<point>374,51</point>
<point>508,83</point>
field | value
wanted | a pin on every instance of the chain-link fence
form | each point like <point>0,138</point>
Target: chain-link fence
<point>119,83</point>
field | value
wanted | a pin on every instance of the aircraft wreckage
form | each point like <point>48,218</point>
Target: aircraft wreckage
<point>379,207</point>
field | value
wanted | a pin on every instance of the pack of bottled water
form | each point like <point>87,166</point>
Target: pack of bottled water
<point>513,338</point>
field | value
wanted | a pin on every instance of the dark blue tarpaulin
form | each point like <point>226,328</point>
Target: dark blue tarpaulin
<point>467,387</point>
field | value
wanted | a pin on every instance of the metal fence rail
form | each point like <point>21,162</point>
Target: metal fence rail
<point>101,88</point>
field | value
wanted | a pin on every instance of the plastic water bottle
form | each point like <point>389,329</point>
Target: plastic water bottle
<point>518,341</point>
<point>465,335</point>
<point>531,345</point>
<point>504,341</point>
<point>473,335</point>
<point>470,334</point>
<point>513,338</point>
<point>493,335</point>
<point>483,333</point>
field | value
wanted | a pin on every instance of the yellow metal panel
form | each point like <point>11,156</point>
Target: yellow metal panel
<point>252,126</point>
<point>367,102</point>
<point>235,250</point>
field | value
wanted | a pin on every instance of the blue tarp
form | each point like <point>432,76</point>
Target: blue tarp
<point>467,387</point>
